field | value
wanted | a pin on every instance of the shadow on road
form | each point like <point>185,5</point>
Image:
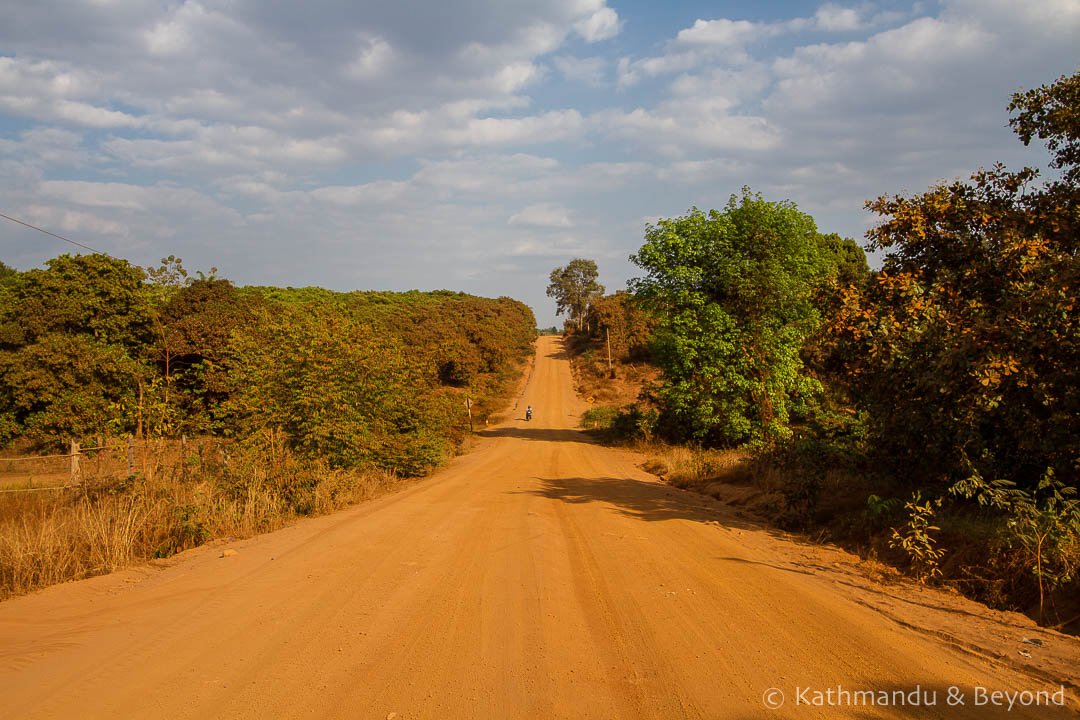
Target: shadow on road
<point>563,354</point>
<point>541,434</point>
<point>647,501</point>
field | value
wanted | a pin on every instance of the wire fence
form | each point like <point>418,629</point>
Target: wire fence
<point>113,458</point>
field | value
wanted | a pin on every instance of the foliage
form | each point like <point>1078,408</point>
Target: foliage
<point>93,345</point>
<point>338,390</point>
<point>70,386</point>
<point>634,422</point>
<point>599,417</point>
<point>917,540</point>
<point>7,274</point>
<point>1045,523</point>
<point>878,509</point>
<point>968,342</point>
<point>69,347</point>
<point>620,319</point>
<point>193,330</point>
<point>1052,113</point>
<point>734,291</point>
<point>847,264</point>
<point>166,279</point>
<point>848,271</point>
<point>574,287</point>
<point>91,295</point>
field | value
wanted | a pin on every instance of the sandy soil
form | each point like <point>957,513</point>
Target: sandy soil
<point>539,576</point>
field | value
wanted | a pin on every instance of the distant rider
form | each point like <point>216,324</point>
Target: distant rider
<point>528,413</point>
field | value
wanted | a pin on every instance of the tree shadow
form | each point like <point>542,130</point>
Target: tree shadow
<point>648,501</point>
<point>538,434</point>
<point>560,354</point>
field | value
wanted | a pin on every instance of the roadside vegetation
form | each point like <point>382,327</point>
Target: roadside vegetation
<point>927,413</point>
<point>312,399</point>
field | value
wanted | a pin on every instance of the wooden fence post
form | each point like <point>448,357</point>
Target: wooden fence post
<point>74,477</point>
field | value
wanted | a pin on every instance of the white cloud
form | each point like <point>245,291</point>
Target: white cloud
<point>725,33</point>
<point>601,25</point>
<point>542,215</point>
<point>681,128</point>
<point>374,58</point>
<point>588,71</point>
<point>834,18</point>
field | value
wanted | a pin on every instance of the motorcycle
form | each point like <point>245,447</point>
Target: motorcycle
<point>528,414</point>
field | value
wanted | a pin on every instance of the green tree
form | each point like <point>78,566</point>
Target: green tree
<point>848,260</point>
<point>70,342</point>
<point>167,279</point>
<point>734,290</point>
<point>71,386</point>
<point>92,294</point>
<point>337,390</point>
<point>7,274</point>
<point>574,287</point>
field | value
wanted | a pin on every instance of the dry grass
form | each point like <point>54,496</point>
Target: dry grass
<point>694,468</point>
<point>110,520</point>
<point>732,476</point>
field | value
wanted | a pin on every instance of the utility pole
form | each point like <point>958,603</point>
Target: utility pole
<point>607,335</point>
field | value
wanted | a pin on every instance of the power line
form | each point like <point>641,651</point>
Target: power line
<point>59,237</point>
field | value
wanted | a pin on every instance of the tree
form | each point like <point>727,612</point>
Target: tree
<point>734,290</point>
<point>619,320</point>
<point>70,339</point>
<point>574,287</point>
<point>848,260</point>
<point>966,348</point>
<point>7,274</point>
<point>1052,113</point>
<point>167,279</point>
<point>823,354</point>
<point>92,294</point>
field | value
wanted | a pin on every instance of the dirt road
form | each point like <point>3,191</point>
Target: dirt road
<point>539,576</point>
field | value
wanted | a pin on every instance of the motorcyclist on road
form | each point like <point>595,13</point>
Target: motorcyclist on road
<point>528,413</point>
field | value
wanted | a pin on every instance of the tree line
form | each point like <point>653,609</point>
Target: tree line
<point>91,345</point>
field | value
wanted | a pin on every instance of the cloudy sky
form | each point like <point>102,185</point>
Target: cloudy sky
<point>476,144</point>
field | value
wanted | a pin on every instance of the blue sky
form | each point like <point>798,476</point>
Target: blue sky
<point>476,145</point>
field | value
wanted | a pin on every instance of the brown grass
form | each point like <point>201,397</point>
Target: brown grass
<point>109,521</point>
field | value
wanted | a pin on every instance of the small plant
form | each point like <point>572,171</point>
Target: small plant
<point>801,493</point>
<point>1045,524</point>
<point>633,423</point>
<point>599,417</point>
<point>917,540</point>
<point>879,510</point>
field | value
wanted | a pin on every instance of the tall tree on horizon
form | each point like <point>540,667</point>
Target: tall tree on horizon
<point>574,287</point>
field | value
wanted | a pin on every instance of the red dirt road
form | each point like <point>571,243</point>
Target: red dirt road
<point>539,576</point>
